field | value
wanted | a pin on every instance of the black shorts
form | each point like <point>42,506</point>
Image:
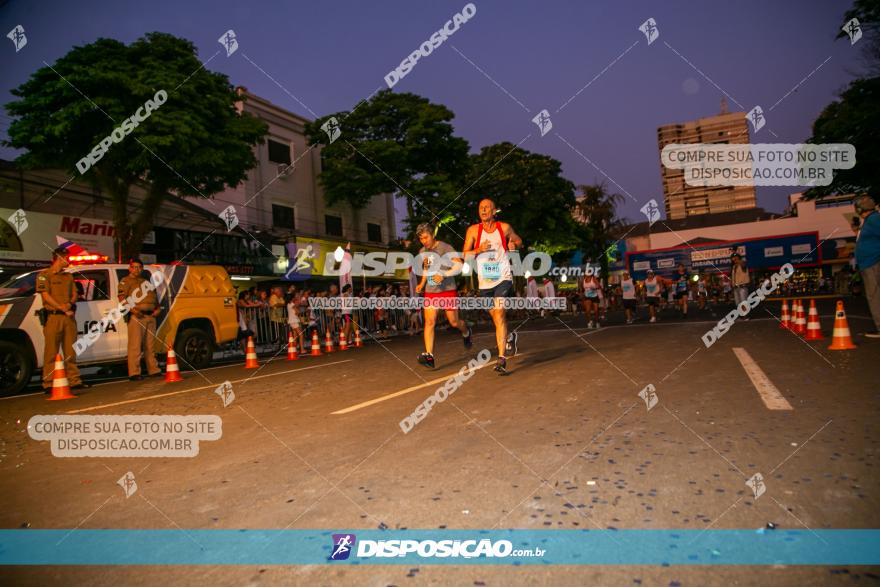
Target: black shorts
<point>652,300</point>
<point>680,294</point>
<point>629,304</point>
<point>502,290</point>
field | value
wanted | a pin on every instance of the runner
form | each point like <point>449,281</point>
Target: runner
<point>702,292</point>
<point>346,314</point>
<point>590,291</point>
<point>438,283</point>
<point>682,285</point>
<point>489,241</point>
<point>653,286</point>
<point>628,293</point>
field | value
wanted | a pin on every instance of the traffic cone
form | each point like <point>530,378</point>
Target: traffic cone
<point>250,358</point>
<point>291,348</point>
<point>786,317</point>
<point>343,342</point>
<point>814,329</point>
<point>357,338</point>
<point>328,342</point>
<point>840,338</point>
<point>172,371</point>
<point>60,386</point>
<point>316,344</point>
<point>800,322</point>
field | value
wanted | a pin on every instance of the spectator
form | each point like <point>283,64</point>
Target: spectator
<point>867,256</point>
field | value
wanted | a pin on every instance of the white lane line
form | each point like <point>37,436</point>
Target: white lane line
<point>389,396</point>
<point>212,386</point>
<point>770,395</point>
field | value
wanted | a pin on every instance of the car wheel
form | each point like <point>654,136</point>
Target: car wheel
<point>16,368</point>
<point>194,348</point>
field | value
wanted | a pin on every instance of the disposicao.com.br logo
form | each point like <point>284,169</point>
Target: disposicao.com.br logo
<point>344,544</point>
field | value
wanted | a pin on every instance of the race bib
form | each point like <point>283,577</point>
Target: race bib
<point>491,270</point>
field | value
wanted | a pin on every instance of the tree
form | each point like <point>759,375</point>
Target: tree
<point>390,143</point>
<point>868,14</point>
<point>596,210</point>
<point>193,144</point>
<point>529,190</point>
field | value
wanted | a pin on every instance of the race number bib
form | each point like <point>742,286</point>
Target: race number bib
<point>491,270</point>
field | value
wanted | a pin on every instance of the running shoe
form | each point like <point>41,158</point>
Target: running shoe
<point>512,339</point>
<point>468,343</point>
<point>652,320</point>
<point>426,359</point>
<point>501,366</point>
<point>590,324</point>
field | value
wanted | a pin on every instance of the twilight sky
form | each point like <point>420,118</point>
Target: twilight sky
<point>326,56</point>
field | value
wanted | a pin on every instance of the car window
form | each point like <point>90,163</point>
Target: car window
<point>20,285</point>
<point>92,285</point>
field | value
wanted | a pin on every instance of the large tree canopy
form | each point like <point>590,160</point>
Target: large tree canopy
<point>193,144</point>
<point>529,190</point>
<point>397,143</point>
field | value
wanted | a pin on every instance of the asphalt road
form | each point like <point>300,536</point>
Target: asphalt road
<point>563,441</point>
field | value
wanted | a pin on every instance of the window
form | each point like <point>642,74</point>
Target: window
<point>92,285</point>
<point>333,225</point>
<point>374,232</point>
<point>279,152</point>
<point>282,216</point>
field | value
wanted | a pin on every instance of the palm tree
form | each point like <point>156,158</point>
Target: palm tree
<point>596,210</point>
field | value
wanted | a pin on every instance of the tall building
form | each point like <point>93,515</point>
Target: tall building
<point>682,200</point>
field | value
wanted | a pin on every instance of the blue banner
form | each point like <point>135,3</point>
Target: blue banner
<point>455,547</point>
<point>801,250</point>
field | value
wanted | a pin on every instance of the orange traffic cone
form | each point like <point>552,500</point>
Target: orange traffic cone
<point>800,322</point>
<point>291,349</point>
<point>785,322</point>
<point>328,342</point>
<point>60,386</point>
<point>250,358</point>
<point>840,338</point>
<point>343,342</point>
<point>172,371</point>
<point>316,344</point>
<point>814,329</point>
<point>357,338</point>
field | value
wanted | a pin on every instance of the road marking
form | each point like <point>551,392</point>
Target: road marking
<point>770,395</point>
<point>212,386</point>
<point>407,390</point>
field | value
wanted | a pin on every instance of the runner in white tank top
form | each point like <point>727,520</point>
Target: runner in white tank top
<point>486,245</point>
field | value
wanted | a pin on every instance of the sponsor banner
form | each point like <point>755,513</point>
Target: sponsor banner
<point>800,250</point>
<point>430,547</point>
<point>33,247</point>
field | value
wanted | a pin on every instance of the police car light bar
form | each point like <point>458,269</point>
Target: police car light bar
<point>81,259</point>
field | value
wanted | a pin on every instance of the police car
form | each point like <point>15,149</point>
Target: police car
<point>197,315</point>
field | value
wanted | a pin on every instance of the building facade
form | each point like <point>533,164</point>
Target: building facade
<point>282,195</point>
<point>682,200</point>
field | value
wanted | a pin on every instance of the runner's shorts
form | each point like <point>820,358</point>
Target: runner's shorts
<point>444,295</point>
<point>502,290</point>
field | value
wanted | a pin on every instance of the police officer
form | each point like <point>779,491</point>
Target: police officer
<point>59,302</point>
<point>142,321</point>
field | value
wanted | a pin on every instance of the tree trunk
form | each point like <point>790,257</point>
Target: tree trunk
<point>144,222</point>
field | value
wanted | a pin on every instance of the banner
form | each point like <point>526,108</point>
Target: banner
<point>33,246</point>
<point>801,250</point>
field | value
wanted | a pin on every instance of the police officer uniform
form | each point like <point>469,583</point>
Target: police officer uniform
<point>60,329</point>
<point>141,325</point>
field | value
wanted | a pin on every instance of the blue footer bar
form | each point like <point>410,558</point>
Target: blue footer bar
<point>457,547</point>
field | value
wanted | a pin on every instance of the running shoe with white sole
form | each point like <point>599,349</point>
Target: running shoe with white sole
<point>512,340</point>
<point>426,359</point>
